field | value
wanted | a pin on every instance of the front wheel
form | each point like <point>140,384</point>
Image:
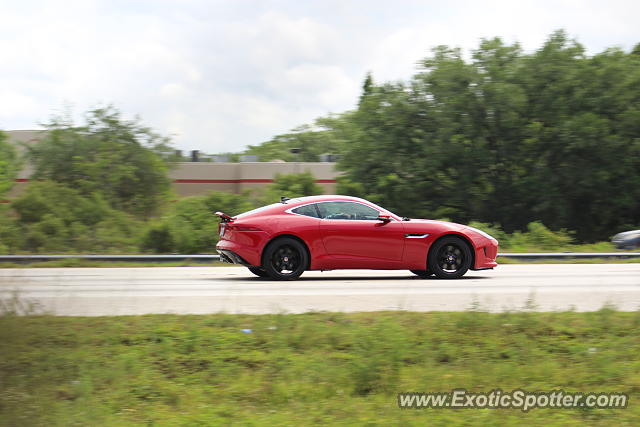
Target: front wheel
<point>449,258</point>
<point>285,259</point>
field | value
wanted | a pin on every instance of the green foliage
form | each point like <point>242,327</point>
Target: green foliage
<point>9,164</point>
<point>158,238</point>
<point>312,141</point>
<point>346,186</point>
<point>507,137</point>
<point>190,226</point>
<point>10,231</point>
<point>122,160</point>
<point>539,236</point>
<point>536,238</point>
<point>52,218</point>
<point>308,369</point>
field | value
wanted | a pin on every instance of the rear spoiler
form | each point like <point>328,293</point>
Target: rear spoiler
<point>224,217</point>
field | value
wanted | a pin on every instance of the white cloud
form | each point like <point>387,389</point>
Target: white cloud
<point>15,104</point>
<point>220,75</point>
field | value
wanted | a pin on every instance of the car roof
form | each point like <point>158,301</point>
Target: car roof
<point>288,204</point>
<point>297,201</point>
<point>323,198</point>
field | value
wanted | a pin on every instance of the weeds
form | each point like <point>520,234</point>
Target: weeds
<point>330,368</point>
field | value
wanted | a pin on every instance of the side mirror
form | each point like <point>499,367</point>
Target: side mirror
<point>384,218</point>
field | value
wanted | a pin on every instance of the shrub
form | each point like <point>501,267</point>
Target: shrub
<point>157,238</point>
<point>11,236</point>
<point>56,218</point>
<point>191,226</point>
<point>539,237</point>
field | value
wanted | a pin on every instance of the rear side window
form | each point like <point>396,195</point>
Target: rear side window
<point>348,211</point>
<point>308,210</point>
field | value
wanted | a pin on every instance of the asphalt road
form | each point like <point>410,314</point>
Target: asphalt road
<point>197,290</point>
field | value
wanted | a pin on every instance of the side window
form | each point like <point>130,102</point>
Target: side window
<point>308,210</point>
<point>347,210</point>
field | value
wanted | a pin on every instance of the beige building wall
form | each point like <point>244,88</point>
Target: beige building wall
<point>197,178</point>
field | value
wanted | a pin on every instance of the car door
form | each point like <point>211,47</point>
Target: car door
<point>352,230</point>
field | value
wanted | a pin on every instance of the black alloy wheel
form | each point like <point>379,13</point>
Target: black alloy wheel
<point>285,259</point>
<point>449,258</point>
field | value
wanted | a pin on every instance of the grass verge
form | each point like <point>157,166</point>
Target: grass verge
<point>318,368</point>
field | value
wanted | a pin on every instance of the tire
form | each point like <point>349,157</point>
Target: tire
<point>258,271</point>
<point>422,273</point>
<point>285,259</point>
<point>449,258</point>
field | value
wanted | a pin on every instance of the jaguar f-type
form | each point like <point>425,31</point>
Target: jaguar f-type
<point>282,240</point>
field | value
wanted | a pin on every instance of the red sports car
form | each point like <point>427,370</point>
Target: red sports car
<point>284,239</point>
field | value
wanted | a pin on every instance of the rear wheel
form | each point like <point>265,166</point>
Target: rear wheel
<point>449,258</point>
<point>285,259</point>
<point>258,271</point>
<point>422,273</point>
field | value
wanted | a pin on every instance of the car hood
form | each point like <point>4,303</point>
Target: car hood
<point>421,223</point>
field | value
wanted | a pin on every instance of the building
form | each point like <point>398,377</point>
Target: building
<point>196,178</point>
<point>190,178</point>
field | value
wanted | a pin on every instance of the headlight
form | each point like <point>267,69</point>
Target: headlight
<point>482,233</point>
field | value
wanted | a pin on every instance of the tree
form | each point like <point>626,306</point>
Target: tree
<point>311,140</point>
<point>367,86</point>
<point>506,138</point>
<point>9,164</point>
<point>124,161</point>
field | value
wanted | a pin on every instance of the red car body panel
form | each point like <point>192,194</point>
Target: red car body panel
<point>346,244</point>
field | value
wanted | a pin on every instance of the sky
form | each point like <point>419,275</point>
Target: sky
<point>220,75</point>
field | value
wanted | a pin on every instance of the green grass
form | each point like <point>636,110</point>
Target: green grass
<point>318,368</point>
